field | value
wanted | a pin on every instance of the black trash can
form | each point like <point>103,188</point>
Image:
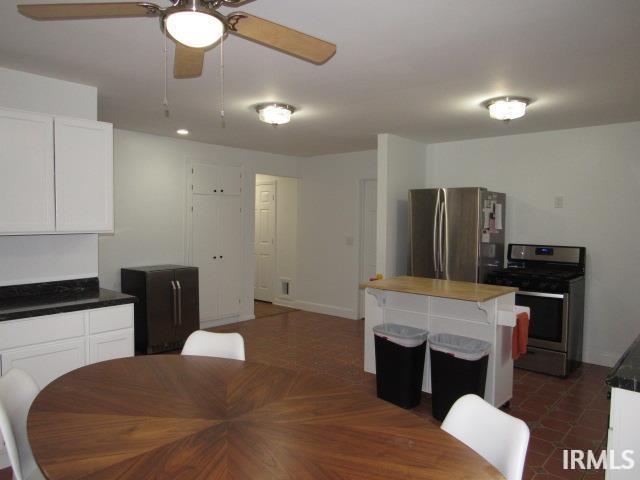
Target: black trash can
<point>400,352</point>
<point>458,367</point>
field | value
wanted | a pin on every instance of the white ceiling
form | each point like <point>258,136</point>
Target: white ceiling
<point>415,68</point>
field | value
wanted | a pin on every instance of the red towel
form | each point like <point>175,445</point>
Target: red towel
<point>520,335</point>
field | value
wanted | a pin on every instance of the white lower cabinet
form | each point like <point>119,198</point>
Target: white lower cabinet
<point>49,346</point>
<point>47,361</point>
<point>111,345</point>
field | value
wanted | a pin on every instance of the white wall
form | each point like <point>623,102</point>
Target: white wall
<point>150,202</point>
<point>286,262</point>
<point>44,258</point>
<point>401,167</point>
<point>597,170</point>
<point>329,229</point>
<point>35,93</point>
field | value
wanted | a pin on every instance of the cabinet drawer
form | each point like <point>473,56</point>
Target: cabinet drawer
<point>48,328</point>
<point>111,345</point>
<point>110,318</point>
<point>46,362</point>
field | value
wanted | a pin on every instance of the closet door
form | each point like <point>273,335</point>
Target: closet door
<point>84,175</point>
<point>206,253</point>
<point>26,173</point>
<point>230,261</point>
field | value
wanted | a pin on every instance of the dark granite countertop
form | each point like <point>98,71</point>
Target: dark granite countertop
<point>626,373</point>
<point>49,298</point>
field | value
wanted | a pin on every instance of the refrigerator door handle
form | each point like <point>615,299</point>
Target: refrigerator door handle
<point>179,302</point>
<point>175,302</point>
<point>440,240</point>
<point>436,237</point>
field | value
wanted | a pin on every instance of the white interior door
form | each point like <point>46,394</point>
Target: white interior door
<point>368,240</point>
<point>206,224</point>
<point>265,241</point>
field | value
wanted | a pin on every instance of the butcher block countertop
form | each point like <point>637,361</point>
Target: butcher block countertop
<point>467,291</point>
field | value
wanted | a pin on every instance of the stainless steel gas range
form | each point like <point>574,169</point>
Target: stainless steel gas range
<point>551,283</point>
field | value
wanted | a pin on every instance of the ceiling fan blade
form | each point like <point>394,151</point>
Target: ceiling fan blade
<point>188,62</point>
<point>70,11</point>
<point>235,3</point>
<point>281,38</point>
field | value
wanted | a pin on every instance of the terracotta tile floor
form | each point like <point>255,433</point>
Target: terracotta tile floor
<point>569,413</point>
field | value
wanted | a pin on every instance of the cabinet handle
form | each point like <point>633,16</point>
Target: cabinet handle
<point>221,190</point>
<point>179,302</point>
<point>175,302</point>
<point>215,191</point>
<point>221,256</point>
<point>215,258</point>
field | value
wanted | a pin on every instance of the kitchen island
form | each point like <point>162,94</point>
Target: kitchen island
<point>624,417</point>
<point>473,310</point>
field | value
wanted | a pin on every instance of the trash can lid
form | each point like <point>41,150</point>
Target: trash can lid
<point>402,333</point>
<point>459,346</point>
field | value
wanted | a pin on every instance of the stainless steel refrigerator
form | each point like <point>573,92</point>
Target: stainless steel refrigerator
<point>456,233</point>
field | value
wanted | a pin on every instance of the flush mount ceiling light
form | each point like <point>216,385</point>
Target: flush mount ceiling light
<point>182,131</point>
<point>275,113</point>
<point>194,25</point>
<point>507,108</point>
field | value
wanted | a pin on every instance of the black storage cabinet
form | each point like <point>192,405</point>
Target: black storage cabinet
<point>168,308</point>
<point>400,353</point>
<point>458,367</point>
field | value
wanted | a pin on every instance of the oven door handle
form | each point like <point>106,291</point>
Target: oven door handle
<point>540,294</point>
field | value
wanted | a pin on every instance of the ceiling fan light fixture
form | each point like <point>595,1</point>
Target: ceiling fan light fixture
<point>507,108</point>
<point>194,29</point>
<point>275,113</point>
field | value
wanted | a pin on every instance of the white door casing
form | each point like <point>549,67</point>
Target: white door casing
<point>368,235</point>
<point>265,241</point>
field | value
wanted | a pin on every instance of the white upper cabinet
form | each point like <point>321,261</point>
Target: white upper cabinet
<point>56,174</point>
<point>26,173</point>
<point>84,175</point>
<point>216,180</point>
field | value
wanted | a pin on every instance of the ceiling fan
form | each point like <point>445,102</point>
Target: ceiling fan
<point>195,25</point>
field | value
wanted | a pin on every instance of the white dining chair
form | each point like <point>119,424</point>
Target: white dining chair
<point>17,392</point>
<point>210,344</point>
<point>498,437</point>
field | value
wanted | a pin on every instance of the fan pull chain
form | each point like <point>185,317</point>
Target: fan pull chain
<point>165,101</point>
<point>222,82</point>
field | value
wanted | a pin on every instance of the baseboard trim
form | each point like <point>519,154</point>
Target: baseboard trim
<point>327,309</point>
<point>285,303</point>
<point>601,358</point>
<point>218,322</point>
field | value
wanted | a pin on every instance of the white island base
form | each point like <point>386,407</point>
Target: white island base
<point>490,320</point>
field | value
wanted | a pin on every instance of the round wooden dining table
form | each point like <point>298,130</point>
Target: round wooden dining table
<point>188,417</point>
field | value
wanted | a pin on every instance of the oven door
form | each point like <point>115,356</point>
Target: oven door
<point>548,325</point>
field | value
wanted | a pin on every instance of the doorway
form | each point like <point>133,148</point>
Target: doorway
<point>368,223</point>
<point>275,239</point>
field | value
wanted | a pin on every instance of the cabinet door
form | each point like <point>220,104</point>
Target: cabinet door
<point>161,307</point>
<point>111,345</point>
<point>206,252</point>
<point>216,179</point>
<point>230,256</point>
<point>230,180</point>
<point>84,175</point>
<point>188,306</point>
<point>26,173</point>
<point>47,361</point>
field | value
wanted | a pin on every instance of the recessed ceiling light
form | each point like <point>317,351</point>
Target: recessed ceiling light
<point>275,113</point>
<point>182,131</point>
<point>507,108</point>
